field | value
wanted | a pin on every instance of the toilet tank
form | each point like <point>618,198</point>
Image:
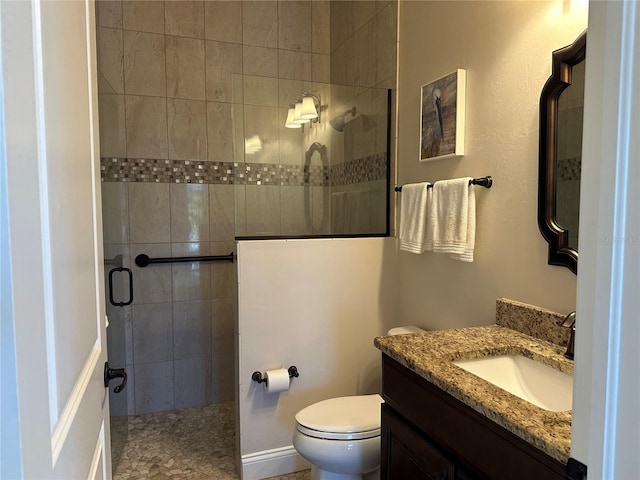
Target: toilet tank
<point>407,329</point>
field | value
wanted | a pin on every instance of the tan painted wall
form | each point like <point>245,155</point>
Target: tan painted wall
<point>506,48</point>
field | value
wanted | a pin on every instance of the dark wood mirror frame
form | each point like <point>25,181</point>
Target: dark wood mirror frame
<point>560,253</point>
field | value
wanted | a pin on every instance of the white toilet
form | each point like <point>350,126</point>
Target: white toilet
<point>340,437</point>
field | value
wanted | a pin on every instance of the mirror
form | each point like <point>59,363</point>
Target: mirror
<point>560,150</point>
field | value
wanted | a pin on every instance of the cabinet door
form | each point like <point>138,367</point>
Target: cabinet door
<point>463,475</point>
<point>407,455</point>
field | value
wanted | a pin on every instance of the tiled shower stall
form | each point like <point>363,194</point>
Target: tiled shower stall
<point>184,87</point>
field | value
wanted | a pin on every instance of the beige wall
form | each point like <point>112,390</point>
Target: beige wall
<point>506,49</point>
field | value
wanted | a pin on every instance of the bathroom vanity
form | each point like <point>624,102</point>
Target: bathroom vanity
<point>442,422</point>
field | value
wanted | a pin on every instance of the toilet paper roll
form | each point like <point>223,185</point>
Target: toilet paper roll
<point>276,380</point>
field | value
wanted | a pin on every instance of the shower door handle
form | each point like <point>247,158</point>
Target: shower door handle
<point>111,373</point>
<point>130,274</point>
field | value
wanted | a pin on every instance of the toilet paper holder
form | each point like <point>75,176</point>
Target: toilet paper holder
<point>257,376</point>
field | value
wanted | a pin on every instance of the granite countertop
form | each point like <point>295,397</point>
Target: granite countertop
<point>430,355</point>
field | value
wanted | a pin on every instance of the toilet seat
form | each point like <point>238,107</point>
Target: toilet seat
<point>342,418</point>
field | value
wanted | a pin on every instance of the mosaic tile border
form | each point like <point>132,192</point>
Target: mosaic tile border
<point>569,168</point>
<point>118,169</point>
<point>367,169</point>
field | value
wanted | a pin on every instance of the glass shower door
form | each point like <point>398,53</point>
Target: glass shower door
<point>119,295</point>
<point>327,177</point>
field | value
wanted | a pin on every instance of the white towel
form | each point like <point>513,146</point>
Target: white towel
<point>414,208</point>
<point>452,218</point>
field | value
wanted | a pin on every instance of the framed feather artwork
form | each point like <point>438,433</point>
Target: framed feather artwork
<point>442,115</point>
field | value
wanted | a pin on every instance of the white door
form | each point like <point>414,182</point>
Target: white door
<point>606,420</point>
<point>55,235</point>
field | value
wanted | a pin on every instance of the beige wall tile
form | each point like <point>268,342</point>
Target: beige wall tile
<point>115,213</point>
<point>362,12</point>
<point>221,214</point>
<point>223,21</point>
<point>220,131</point>
<point>225,132</point>
<point>342,65</point>
<point>149,214</point>
<point>320,210</point>
<point>364,42</point>
<point>290,139</point>
<point>293,203</point>
<point>380,4</point>
<point>146,127</point>
<point>191,328</point>
<point>103,85</point>
<point>143,16</point>
<point>240,194</point>
<point>144,64</point>
<point>189,213</point>
<point>151,285</point>
<point>237,88</point>
<point>110,58</point>
<point>263,122</point>
<point>223,381</point>
<point>154,390</point>
<point>386,31</point>
<point>193,382</point>
<point>222,60</point>
<point>260,61</point>
<point>184,18</point>
<point>294,25</point>
<point>260,91</point>
<point>341,22</point>
<point>321,68</point>
<point>260,23</point>
<point>191,281</point>
<point>294,65</point>
<point>320,27</point>
<point>112,125</point>
<point>152,333</point>
<point>187,129</point>
<point>109,13</point>
<point>263,210</point>
<point>223,317</point>
<point>224,281</point>
<point>291,90</point>
<point>185,68</point>
<point>238,132</point>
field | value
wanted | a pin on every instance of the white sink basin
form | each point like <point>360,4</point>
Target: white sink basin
<point>530,380</point>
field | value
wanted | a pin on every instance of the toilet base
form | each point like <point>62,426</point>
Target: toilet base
<point>318,474</point>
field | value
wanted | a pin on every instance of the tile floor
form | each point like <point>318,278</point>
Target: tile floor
<point>191,444</point>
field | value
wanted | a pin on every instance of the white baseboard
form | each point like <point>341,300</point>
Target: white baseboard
<point>269,463</point>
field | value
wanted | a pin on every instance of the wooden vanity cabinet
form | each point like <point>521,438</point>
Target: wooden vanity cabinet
<point>428,434</point>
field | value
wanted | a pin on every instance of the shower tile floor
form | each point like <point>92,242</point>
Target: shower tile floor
<point>194,444</point>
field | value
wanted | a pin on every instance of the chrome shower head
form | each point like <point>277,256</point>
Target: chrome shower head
<point>339,122</point>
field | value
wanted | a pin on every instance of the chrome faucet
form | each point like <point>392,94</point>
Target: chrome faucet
<point>570,322</point>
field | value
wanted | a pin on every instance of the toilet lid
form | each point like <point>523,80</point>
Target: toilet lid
<point>342,418</point>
